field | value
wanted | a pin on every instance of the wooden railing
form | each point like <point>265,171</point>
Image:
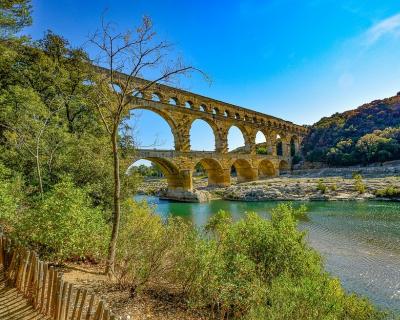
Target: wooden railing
<point>43,286</point>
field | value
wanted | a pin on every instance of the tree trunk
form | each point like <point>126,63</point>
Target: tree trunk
<point>117,206</point>
<point>39,173</point>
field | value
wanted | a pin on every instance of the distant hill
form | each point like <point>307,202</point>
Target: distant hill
<point>367,134</point>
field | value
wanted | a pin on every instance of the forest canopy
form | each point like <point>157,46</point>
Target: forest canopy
<point>365,135</point>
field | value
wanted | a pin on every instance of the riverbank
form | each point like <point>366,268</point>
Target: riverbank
<point>293,188</point>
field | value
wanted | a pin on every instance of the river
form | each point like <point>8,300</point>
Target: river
<point>360,241</point>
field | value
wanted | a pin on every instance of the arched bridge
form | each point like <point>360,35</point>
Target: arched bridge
<point>181,108</point>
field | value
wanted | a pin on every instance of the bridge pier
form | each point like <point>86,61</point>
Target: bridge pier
<point>218,178</point>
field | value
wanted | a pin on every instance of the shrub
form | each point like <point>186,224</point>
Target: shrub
<point>141,245</point>
<point>64,224</point>
<point>359,184</point>
<point>254,268</point>
<point>11,197</point>
<point>262,150</point>
<point>321,186</point>
<point>333,186</point>
<point>388,192</point>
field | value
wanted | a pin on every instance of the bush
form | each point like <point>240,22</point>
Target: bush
<point>262,150</point>
<point>359,184</point>
<point>321,186</point>
<point>254,268</point>
<point>64,224</point>
<point>388,192</point>
<point>11,198</point>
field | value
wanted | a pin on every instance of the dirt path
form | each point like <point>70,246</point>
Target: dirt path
<point>13,306</point>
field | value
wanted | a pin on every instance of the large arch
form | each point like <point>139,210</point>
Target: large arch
<point>203,135</point>
<point>244,170</point>
<point>176,181</point>
<point>293,146</point>
<point>260,137</point>
<point>279,146</point>
<point>236,139</point>
<point>216,175</point>
<point>166,117</point>
<point>266,169</point>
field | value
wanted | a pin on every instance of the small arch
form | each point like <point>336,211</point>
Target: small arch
<point>116,87</point>
<point>156,97</point>
<point>254,119</point>
<point>283,167</point>
<point>202,136</point>
<point>173,101</point>
<point>226,114</point>
<point>189,104</point>
<point>203,108</point>
<point>237,116</point>
<point>215,111</point>
<point>266,169</point>
<point>246,118</point>
<point>137,94</point>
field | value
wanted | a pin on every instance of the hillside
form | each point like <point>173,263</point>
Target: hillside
<point>364,135</point>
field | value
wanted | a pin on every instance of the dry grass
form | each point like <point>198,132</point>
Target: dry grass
<point>156,302</point>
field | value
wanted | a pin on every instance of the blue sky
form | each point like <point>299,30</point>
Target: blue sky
<point>298,60</point>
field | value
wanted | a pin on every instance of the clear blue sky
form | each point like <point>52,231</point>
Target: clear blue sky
<point>298,60</point>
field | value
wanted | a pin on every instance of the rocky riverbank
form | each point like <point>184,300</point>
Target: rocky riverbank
<point>293,188</point>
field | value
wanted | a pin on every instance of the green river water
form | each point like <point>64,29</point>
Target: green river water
<point>360,241</point>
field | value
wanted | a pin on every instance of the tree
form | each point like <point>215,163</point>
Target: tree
<point>14,15</point>
<point>136,54</point>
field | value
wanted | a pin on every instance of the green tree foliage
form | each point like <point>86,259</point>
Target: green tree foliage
<point>11,197</point>
<point>14,15</point>
<point>64,224</point>
<point>49,129</point>
<point>364,135</point>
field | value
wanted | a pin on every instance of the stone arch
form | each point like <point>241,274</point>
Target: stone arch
<point>248,143</point>
<point>189,104</point>
<point>138,94</point>
<point>283,166</point>
<point>176,180</point>
<point>279,147</point>
<point>203,108</point>
<point>260,137</point>
<point>266,169</point>
<point>170,121</point>
<point>117,87</point>
<point>173,101</point>
<point>293,145</point>
<point>215,111</point>
<point>216,175</point>
<point>244,170</point>
<point>213,128</point>
<point>157,97</point>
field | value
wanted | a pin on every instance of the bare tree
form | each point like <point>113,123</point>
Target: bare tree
<point>135,54</point>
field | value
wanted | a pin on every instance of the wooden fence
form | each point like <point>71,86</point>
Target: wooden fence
<point>43,286</point>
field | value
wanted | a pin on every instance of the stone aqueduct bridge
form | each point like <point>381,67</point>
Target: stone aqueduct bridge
<point>181,108</point>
